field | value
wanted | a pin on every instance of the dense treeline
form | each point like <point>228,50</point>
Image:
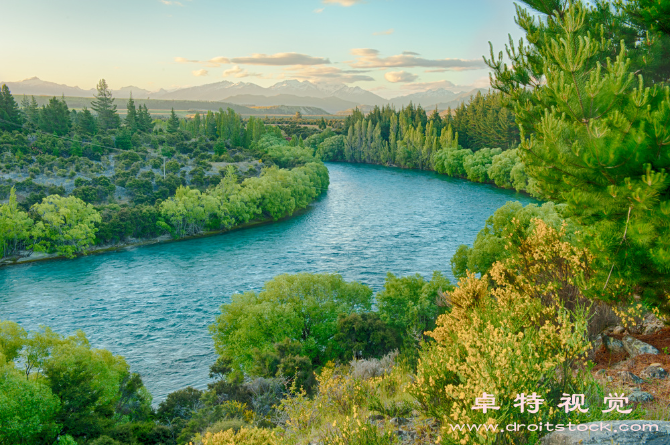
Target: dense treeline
<point>139,178</point>
<point>476,142</point>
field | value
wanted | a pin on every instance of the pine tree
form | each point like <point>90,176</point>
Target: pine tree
<point>144,122</point>
<point>104,105</point>
<point>132,121</point>
<point>595,136</point>
<point>173,123</point>
<point>10,114</point>
<point>86,122</point>
<point>54,117</point>
<point>33,111</point>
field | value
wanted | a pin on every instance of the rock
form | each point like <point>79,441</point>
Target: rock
<point>636,347</point>
<point>375,418</point>
<point>628,376</point>
<point>597,342</point>
<point>399,421</point>
<point>613,345</point>
<point>618,330</point>
<point>601,372</point>
<point>652,324</point>
<point>620,432</point>
<point>654,371</point>
<point>640,396</point>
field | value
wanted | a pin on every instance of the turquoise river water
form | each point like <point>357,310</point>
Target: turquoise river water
<point>153,304</point>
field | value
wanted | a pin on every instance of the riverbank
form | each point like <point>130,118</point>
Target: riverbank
<point>25,257</point>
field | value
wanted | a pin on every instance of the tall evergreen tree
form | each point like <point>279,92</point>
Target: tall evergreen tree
<point>104,105</point>
<point>10,114</point>
<point>86,123</point>
<point>54,117</point>
<point>131,116</point>
<point>173,123</point>
<point>144,121</point>
<point>595,137</point>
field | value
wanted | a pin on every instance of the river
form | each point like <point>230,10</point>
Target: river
<point>153,304</point>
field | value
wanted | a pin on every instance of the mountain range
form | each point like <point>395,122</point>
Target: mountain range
<point>334,98</point>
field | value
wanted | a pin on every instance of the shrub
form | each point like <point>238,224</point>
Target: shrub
<point>519,336</point>
<point>246,436</point>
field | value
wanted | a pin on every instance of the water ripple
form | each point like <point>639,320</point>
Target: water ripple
<point>153,304</point>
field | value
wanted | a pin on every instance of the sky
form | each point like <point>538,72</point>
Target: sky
<point>390,47</point>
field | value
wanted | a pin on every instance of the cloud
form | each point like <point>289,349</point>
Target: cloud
<point>400,76</point>
<point>369,58</point>
<point>346,3</point>
<point>198,73</point>
<point>280,59</point>
<point>319,10</point>
<point>326,74</point>
<point>214,62</point>
<point>238,72</point>
<point>384,33</point>
<point>170,3</point>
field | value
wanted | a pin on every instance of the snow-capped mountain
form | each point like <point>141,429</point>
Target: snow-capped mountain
<point>332,97</point>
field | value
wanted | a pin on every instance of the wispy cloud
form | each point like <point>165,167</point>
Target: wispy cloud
<point>319,10</point>
<point>238,72</point>
<point>170,3</point>
<point>400,76</point>
<point>327,74</point>
<point>279,59</point>
<point>346,3</point>
<point>369,58</point>
<point>388,32</point>
<point>199,73</point>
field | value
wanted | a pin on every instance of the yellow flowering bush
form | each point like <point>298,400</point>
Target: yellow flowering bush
<point>339,410</point>
<point>515,331</point>
<point>245,436</point>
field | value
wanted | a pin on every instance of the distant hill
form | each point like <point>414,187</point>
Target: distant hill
<point>159,107</point>
<point>327,98</point>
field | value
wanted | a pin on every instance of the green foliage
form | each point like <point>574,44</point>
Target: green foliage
<point>451,161</point>
<point>53,384</point>
<point>27,409</point>
<point>173,123</point>
<point>66,225</point>
<point>104,105</point>
<point>593,135</point>
<point>363,335</point>
<point>15,226</point>
<point>477,166</point>
<point>54,118</point>
<point>491,242</point>
<point>10,115</point>
<point>303,308</point>
<point>409,304</point>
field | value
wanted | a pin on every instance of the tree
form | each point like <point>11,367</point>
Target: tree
<point>104,105</point>
<point>188,211</point>
<point>173,123</point>
<point>15,226</point>
<point>67,224</point>
<point>10,114</point>
<point>594,135</point>
<point>131,120</point>
<point>86,123</point>
<point>322,124</point>
<point>54,117</point>
<point>28,409</point>
<point>408,304</point>
<point>303,308</point>
<point>144,121</point>
<point>297,116</point>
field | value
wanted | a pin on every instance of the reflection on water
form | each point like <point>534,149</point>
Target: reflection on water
<point>153,304</point>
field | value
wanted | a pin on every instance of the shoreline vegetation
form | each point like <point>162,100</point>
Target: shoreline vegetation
<point>557,307</point>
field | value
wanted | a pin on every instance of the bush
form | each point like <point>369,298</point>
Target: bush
<point>363,335</point>
<point>477,166</point>
<point>489,246</point>
<point>302,308</point>
<point>520,335</point>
